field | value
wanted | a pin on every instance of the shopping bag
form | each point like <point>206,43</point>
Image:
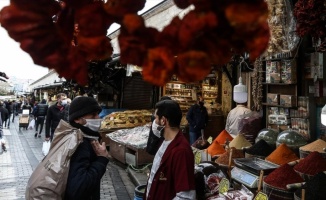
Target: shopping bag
<point>31,124</point>
<point>46,147</point>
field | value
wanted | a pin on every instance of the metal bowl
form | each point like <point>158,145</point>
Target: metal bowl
<point>269,135</point>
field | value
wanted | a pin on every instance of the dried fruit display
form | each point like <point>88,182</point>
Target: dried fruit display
<point>310,14</point>
<point>66,36</point>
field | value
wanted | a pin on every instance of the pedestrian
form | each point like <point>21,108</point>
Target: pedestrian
<point>172,173</point>
<point>88,163</point>
<point>14,110</point>
<point>232,120</point>
<point>197,117</point>
<point>39,112</point>
<point>3,145</point>
<point>154,141</point>
<point>53,116</point>
<point>9,108</point>
<point>4,113</point>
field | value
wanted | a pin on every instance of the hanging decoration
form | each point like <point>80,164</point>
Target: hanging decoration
<point>311,20</point>
<point>186,47</point>
<point>257,85</point>
<point>284,39</point>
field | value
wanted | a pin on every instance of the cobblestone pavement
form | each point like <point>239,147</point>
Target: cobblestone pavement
<point>23,154</point>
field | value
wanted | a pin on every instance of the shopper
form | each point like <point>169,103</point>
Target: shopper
<point>14,110</point>
<point>172,173</point>
<point>53,116</point>
<point>88,163</point>
<point>197,117</point>
<point>154,141</point>
<point>232,120</point>
<point>4,114</point>
<point>9,108</point>
<point>3,145</point>
<point>39,112</point>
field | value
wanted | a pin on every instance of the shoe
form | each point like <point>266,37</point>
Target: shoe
<point>35,135</point>
<point>3,146</point>
<point>39,135</point>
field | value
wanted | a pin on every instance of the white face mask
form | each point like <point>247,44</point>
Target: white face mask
<point>64,102</point>
<point>93,124</point>
<point>157,129</point>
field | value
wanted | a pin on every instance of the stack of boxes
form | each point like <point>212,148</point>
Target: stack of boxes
<point>299,117</point>
<point>283,71</point>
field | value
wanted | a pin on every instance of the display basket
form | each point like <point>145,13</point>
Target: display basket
<point>277,193</point>
<point>304,154</point>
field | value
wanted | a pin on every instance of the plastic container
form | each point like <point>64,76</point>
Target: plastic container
<point>139,192</point>
<point>269,135</point>
<point>292,139</point>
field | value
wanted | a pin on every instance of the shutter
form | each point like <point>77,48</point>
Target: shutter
<point>137,93</point>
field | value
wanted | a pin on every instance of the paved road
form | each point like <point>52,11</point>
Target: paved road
<point>25,152</point>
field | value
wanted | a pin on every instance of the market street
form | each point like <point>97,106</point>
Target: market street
<point>23,154</point>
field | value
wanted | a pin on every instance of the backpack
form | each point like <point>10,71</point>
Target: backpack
<point>49,179</point>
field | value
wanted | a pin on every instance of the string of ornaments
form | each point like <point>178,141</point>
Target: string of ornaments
<point>186,47</point>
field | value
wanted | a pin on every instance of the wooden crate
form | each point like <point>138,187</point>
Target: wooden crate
<point>118,151</point>
<point>136,156</point>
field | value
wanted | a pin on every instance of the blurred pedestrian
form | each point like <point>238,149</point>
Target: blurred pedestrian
<point>4,113</point>
<point>39,112</point>
<point>53,116</point>
<point>197,117</point>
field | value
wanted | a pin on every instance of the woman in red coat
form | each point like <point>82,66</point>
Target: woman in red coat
<point>172,173</point>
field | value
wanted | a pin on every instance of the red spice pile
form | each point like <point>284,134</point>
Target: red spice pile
<point>282,176</point>
<point>312,164</point>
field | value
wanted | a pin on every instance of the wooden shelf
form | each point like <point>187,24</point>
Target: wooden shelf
<point>209,90</point>
<point>272,105</point>
<point>277,59</point>
<point>278,83</point>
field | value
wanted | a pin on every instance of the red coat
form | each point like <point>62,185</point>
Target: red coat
<point>176,171</point>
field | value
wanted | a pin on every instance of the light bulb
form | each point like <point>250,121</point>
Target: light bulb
<point>323,116</point>
<point>240,94</point>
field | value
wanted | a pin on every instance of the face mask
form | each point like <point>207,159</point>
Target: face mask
<point>93,124</point>
<point>64,102</point>
<point>157,129</point>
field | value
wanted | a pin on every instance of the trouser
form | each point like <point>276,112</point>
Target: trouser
<point>13,116</point>
<point>193,136</point>
<point>8,121</point>
<point>39,121</point>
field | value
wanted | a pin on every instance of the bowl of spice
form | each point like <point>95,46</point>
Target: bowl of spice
<point>274,184</point>
<point>311,165</point>
<point>260,149</point>
<point>282,155</point>
<point>223,160</point>
<point>317,145</point>
<point>240,142</point>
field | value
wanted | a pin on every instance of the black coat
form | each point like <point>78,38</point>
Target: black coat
<point>53,118</point>
<point>40,110</point>
<point>85,173</point>
<point>4,113</point>
<point>197,118</point>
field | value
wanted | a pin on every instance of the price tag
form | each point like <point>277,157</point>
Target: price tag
<point>224,186</point>
<point>261,196</point>
<point>210,140</point>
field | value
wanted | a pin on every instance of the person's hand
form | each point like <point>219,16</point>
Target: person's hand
<point>99,149</point>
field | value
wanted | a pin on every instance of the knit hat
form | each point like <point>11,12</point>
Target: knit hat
<point>81,106</point>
